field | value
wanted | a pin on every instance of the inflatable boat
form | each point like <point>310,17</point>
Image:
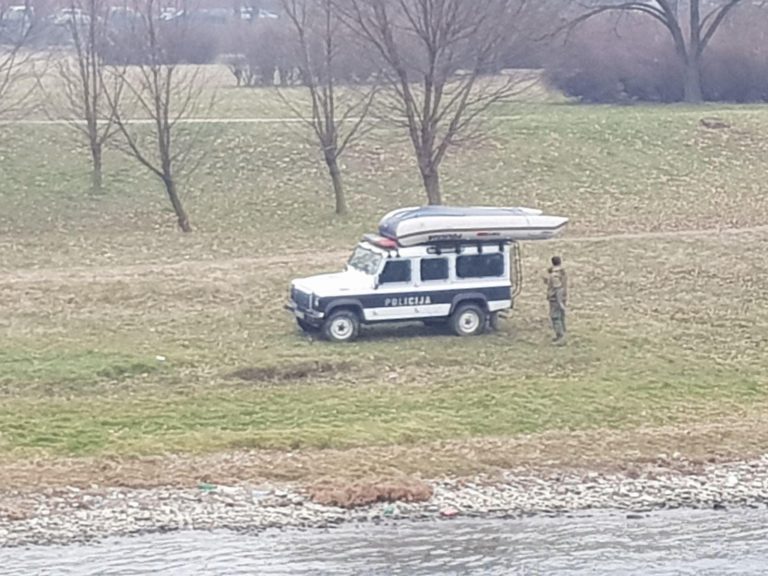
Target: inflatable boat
<point>436,224</point>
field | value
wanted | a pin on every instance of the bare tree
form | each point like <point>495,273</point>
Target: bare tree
<point>700,28</point>
<point>436,54</point>
<point>83,84</point>
<point>337,117</point>
<point>15,60</point>
<point>166,94</point>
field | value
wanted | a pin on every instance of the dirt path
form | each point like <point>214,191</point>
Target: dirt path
<point>112,273</point>
<point>707,233</point>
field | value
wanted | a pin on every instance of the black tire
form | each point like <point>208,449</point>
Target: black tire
<point>341,326</point>
<point>305,326</point>
<point>468,320</point>
<point>494,321</point>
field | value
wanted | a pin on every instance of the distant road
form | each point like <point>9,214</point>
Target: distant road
<point>291,119</point>
<point>283,120</point>
<point>182,121</point>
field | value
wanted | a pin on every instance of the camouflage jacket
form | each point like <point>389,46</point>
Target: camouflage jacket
<point>557,284</point>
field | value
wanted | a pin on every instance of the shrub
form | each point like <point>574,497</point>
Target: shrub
<point>736,66</point>
<point>635,60</point>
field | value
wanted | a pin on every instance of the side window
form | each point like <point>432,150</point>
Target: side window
<point>480,266</point>
<point>434,269</point>
<point>396,271</point>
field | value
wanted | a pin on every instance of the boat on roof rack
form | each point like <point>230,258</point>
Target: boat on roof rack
<point>440,224</point>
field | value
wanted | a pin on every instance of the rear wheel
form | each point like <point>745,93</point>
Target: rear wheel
<point>341,326</point>
<point>468,320</point>
<point>494,320</point>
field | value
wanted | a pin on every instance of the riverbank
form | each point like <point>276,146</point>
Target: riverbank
<point>70,515</point>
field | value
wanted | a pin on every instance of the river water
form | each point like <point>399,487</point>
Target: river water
<point>663,543</point>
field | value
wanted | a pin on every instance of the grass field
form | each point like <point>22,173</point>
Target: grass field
<point>122,337</point>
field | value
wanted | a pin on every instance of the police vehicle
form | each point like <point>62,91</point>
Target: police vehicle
<point>454,267</point>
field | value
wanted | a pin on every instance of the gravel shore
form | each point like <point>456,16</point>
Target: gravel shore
<point>71,515</point>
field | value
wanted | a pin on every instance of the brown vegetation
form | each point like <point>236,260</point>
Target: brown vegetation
<point>634,60</point>
<point>691,28</point>
<point>356,493</point>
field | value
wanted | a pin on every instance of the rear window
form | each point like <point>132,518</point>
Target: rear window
<point>480,266</point>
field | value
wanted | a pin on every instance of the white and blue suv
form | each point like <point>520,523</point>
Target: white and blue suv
<point>460,284</point>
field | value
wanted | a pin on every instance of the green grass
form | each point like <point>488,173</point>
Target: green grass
<point>322,416</point>
<point>53,367</point>
<point>94,288</point>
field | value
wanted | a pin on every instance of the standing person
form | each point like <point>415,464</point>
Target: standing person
<point>557,296</point>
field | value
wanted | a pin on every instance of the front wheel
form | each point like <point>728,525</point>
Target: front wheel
<point>341,326</point>
<point>468,320</point>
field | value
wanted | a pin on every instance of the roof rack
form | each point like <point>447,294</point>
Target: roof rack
<point>438,247</point>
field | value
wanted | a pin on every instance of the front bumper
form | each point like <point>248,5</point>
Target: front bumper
<point>311,316</point>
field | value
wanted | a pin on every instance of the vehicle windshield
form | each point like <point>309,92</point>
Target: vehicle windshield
<point>365,260</point>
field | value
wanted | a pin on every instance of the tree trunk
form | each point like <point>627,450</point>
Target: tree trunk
<point>178,208</point>
<point>431,179</point>
<point>96,169</point>
<point>338,188</point>
<point>692,88</point>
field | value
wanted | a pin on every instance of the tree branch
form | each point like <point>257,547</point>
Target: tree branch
<point>719,16</point>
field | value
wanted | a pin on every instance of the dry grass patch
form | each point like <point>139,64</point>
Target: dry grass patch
<point>357,493</point>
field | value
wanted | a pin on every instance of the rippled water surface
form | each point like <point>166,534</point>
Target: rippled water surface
<point>678,542</point>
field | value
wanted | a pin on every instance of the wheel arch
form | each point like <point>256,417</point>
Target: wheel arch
<point>470,298</point>
<point>352,304</point>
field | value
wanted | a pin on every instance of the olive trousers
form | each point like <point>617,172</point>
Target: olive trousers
<point>557,317</point>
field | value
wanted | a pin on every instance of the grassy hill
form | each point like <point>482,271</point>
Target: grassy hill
<point>121,336</point>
